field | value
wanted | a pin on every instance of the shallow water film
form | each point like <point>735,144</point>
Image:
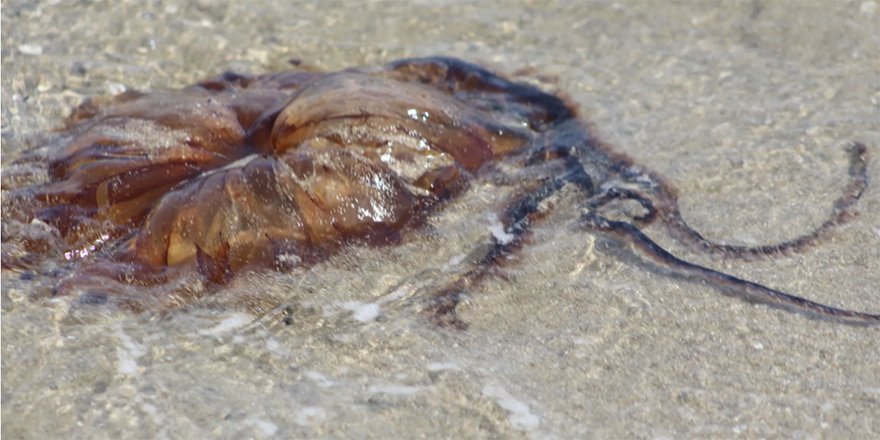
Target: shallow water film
<point>745,107</point>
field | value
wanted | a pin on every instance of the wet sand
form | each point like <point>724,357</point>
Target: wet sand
<point>744,106</point>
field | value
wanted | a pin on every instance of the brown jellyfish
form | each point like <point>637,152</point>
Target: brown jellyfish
<point>248,172</point>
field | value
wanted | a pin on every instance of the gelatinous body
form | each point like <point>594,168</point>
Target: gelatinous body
<point>241,172</point>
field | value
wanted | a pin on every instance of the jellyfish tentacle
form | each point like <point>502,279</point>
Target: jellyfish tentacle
<point>516,220</point>
<point>613,193</point>
<point>650,252</point>
<point>671,217</point>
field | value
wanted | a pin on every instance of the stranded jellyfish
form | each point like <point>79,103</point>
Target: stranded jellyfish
<point>264,172</point>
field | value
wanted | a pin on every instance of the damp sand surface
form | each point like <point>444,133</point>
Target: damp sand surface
<point>745,106</point>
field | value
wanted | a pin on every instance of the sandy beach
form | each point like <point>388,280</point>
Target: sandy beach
<point>746,107</point>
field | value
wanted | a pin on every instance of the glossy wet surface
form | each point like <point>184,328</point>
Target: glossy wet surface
<point>746,110</point>
<point>264,172</point>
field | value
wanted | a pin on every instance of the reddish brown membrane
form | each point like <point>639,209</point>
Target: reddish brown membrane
<point>239,173</point>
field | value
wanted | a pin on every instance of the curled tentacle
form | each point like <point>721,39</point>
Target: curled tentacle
<point>646,249</point>
<point>614,193</point>
<point>669,213</point>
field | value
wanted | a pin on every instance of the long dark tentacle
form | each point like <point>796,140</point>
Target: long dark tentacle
<point>682,231</point>
<point>650,251</point>
<point>517,221</point>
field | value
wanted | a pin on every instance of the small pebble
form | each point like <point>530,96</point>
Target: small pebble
<point>115,88</point>
<point>30,49</point>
